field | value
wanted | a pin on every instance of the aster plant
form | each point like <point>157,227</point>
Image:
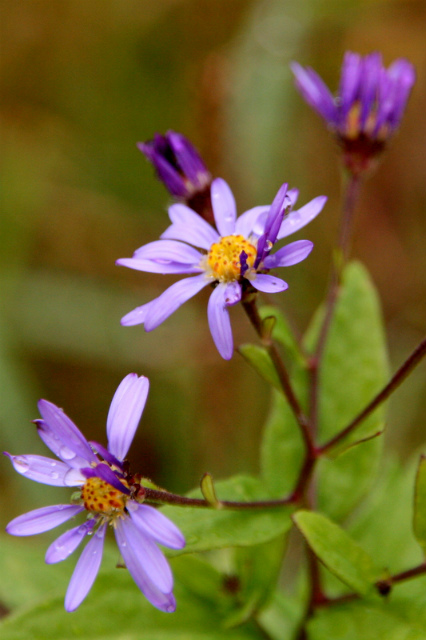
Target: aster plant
<point>356,568</point>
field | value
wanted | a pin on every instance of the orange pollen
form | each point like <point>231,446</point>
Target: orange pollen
<point>224,257</point>
<point>100,497</point>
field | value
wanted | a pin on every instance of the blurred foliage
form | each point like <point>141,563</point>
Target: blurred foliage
<point>80,84</point>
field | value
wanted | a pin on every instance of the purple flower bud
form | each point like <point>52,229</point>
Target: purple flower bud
<point>366,110</point>
<point>180,167</point>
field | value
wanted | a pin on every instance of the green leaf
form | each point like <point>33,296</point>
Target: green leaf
<point>282,332</point>
<point>206,528</point>
<point>385,517</point>
<point>360,621</point>
<point>337,551</point>
<point>260,360</point>
<point>354,369</point>
<point>282,448</point>
<point>419,520</point>
<point>257,569</point>
<point>115,608</point>
<point>283,617</point>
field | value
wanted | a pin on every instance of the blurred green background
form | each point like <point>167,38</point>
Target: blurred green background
<point>81,83</point>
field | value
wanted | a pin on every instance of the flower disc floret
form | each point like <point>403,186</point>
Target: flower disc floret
<point>224,257</point>
<point>100,497</point>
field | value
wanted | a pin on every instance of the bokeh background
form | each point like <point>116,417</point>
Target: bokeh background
<point>81,83</point>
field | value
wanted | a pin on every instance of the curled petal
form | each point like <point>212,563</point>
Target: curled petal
<point>86,570</point>
<point>134,555</point>
<point>290,254</point>
<point>171,299</point>
<point>125,412</point>
<point>68,542</point>
<point>189,227</point>
<point>43,519</point>
<point>74,445</point>
<point>224,208</point>
<point>41,469</point>
<point>155,525</point>
<point>268,284</point>
<point>298,219</point>
<point>219,321</point>
<point>105,473</point>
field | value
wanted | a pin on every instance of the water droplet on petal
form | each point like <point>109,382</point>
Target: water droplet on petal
<point>54,476</point>
<point>66,453</point>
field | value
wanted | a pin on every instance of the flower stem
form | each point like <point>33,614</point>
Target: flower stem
<point>250,307</point>
<point>412,361</point>
<point>350,199</point>
<point>383,586</point>
<point>165,497</point>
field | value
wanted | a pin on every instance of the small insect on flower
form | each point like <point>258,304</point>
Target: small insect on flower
<point>233,259</point>
<point>107,493</point>
<point>368,107</point>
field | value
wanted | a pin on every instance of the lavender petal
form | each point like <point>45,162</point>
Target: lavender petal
<point>224,207</point>
<point>134,557</point>
<point>75,445</point>
<point>43,519</point>
<point>168,251</point>
<point>153,266</point>
<point>40,469</point>
<point>85,571</point>
<point>156,525</point>
<point>315,92</point>
<point>298,219</point>
<point>292,253</point>
<point>219,321</point>
<point>125,413</point>
<point>68,542</point>
<point>246,223</point>
<point>137,316</point>
<point>172,298</point>
<point>268,284</point>
<point>189,227</point>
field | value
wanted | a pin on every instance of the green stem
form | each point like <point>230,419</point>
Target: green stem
<point>383,586</point>
<point>350,199</point>
<point>249,305</point>
<point>165,497</point>
<point>412,361</point>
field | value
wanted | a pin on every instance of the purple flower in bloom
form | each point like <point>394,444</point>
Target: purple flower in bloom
<point>236,257</point>
<point>107,493</point>
<point>180,167</point>
<point>368,106</point>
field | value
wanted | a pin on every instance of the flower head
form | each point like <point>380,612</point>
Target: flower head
<point>107,493</point>
<point>368,106</point>
<point>236,257</point>
<point>180,167</point>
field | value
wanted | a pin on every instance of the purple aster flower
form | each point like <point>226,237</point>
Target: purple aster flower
<point>236,258</point>
<point>182,170</point>
<point>368,106</point>
<point>107,493</point>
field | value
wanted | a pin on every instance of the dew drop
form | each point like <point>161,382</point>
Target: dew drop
<point>66,453</point>
<point>54,476</point>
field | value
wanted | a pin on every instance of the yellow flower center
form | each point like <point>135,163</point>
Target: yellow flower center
<point>100,497</point>
<point>224,257</point>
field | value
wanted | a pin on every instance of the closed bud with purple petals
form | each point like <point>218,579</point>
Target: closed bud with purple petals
<point>368,107</point>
